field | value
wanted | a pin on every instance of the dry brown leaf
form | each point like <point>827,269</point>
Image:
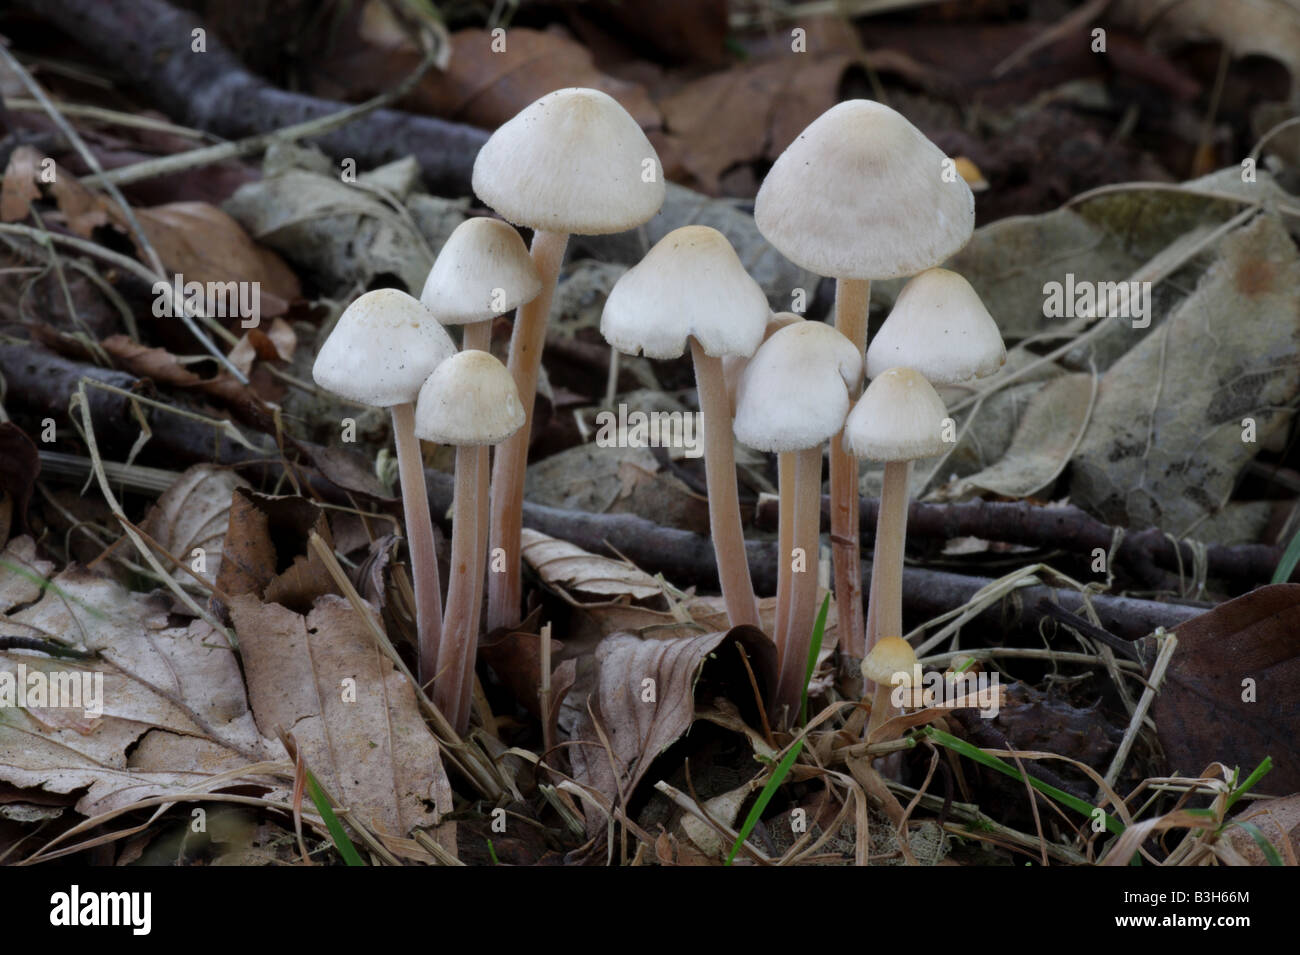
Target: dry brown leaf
<point>1278,821</point>
<point>277,343</point>
<point>265,552</point>
<point>566,566</point>
<point>353,715</point>
<point>20,463</point>
<point>191,519</point>
<point>19,187</point>
<point>163,367</point>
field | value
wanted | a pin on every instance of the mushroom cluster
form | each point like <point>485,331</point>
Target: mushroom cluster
<point>861,194</point>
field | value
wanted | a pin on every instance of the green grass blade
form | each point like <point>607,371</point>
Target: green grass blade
<point>341,841</point>
<point>1260,771</point>
<point>764,797</point>
<point>1290,557</point>
<point>964,748</point>
<point>819,630</point>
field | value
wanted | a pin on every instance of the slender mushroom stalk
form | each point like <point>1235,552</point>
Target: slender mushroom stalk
<point>860,194</point>
<point>890,664</point>
<point>573,162</point>
<point>691,288</point>
<point>792,398</point>
<point>469,401</point>
<point>899,418</point>
<point>383,347</point>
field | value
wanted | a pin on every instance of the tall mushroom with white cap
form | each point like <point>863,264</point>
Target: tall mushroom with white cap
<point>469,401</point>
<point>691,289</point>
<point>861,194</point>
<point>574,161</point>
<point>383,347</point>
<point>899,418</point>
<point>793,396</point>
<point>939,328</point>
<point>483,270</point>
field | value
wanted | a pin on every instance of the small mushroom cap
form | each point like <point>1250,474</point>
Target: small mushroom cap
<point>470,399</point>
<point>733,366</point>
<point>574,161</point>
<point>382,348</point>
<point>483,270</point>
<point>690,284</point>
<point>940,327</point>
<point>890,662</point>
<point>861,193</point>
<point>898,418</point>
<point>795,392</point>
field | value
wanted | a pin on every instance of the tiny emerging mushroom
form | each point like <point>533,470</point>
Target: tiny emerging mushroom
<point>691,290</point>
<point>469,401</point>
<point>380,352</point>
<point>792,398</point>
<point>891,663</point>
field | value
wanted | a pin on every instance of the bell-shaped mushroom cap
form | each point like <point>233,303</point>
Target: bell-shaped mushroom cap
<point>861,193</point>
<point>940,327</point>
<point>733,366</point>
<point>898,418</point>
<point>483,270</point>
<point>690,283</point>
<point>470,399</point>
<point>573,161</point>
<point>890,662</point>
<point>382,348</point>
<point>795,392</point>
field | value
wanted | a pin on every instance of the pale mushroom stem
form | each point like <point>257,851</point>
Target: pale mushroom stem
<point>505,590</point>
<point>882,709</point>
<point>419,539</point>
<point>852,298</point>
<point>885,603</point>
<point>452,690</point>
<point>784,547</point>
<point>478,337</point>
<point>724,500</point>
<point>803,589</point>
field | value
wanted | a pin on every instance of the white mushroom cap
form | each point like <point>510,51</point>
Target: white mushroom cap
<point>890,661</point>
<point>470,399</point>
<point>795,392</point>
<point>940,327</point>
<point>574,161</point>
<point>382,348</point>
<point>483,270</point>
<point>898,418</point>
<point>690,283</point>
<point>733,366</point>
<point>861,193</point>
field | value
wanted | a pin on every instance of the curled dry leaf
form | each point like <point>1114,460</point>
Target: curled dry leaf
<point>1229,692</point>
<point>353,715</point>
<point>566,566</point>
<point>191,518</point>
<point>19,186</point>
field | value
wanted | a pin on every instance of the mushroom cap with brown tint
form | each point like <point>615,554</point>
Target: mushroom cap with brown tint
<point>383,347</point>
<point>795,392</point>
<point>573,161</point>
<point>862,194</point>
<point>890,661</point>
<point>940,327</point>
<point>470,399</point>
<point>691,283</point>
<point>898,418</point>
<point>483,270</point>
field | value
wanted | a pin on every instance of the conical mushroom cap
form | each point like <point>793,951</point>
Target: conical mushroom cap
<point>383,347</point>
<point>470,399</point>
<point>795,392</point>
<point>861,193</point>
<point>940,327</point>
<point>890,661</point>
<point>690,283</point>
<point>574,161</point>
<point>733,366</point>
<point>483,270</point>
<point>898,418</point>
